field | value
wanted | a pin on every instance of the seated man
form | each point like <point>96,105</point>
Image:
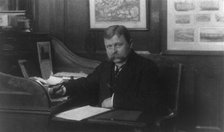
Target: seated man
<point>125,81</point>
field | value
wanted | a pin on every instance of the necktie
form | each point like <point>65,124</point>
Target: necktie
<point>117,70</point>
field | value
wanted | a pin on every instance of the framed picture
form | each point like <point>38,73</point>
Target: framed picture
<point>9,19</point>
<point>130,13</point>
<point>194,25</point>
<point>3,20</point>
<point>44,57</point>
<point>4,5</point>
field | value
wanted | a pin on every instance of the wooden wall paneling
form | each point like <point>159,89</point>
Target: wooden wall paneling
<point>76,24</point>
<point>57,18</point>
<point>69,21</point>
<point>210,93</point>
<point>41,16</point>
<point>202,106</point>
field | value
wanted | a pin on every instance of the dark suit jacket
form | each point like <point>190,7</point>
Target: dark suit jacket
<point>135,88</point>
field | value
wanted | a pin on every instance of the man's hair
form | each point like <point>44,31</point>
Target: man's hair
<point>117,30</point>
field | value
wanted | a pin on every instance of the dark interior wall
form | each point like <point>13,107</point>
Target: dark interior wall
<point>202,91</point>
<point>69,21</point>
<point>202,101</point>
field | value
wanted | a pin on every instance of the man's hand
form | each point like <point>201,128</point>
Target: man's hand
<point>107,103</point>
<point>56,91</point>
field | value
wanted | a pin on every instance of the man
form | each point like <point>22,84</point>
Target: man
<point>125,81</point>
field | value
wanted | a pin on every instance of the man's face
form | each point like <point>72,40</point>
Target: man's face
<point>117,49</point>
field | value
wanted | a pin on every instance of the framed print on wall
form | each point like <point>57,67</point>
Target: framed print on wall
<point>3,20</point>
<point>44,57</point>
<point>195,25</point>
<point>130,13</point>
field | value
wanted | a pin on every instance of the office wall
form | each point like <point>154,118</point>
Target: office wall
<point>202,101</point>
<point>69,21</point>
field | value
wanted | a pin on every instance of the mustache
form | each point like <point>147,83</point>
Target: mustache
<point>112,58</point>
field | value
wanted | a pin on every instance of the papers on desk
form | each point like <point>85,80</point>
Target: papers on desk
<point>69,75</point>
<point>81,113</point>
<point>58,78</point>
<point>52,80</point>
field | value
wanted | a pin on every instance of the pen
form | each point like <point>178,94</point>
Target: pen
<point>55,88</point>
<point>60,85</point>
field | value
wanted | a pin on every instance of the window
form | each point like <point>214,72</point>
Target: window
<point>15,15</point>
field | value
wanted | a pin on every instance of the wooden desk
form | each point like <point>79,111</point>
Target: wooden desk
<point>103,122</point>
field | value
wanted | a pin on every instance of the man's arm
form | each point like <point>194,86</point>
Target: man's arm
<point>81,87</point>
<point>84,85</point>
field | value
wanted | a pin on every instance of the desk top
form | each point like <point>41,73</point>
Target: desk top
<point>114,120</point>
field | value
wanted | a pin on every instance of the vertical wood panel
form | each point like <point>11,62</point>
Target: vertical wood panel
<point>210,91</point>
<point>42,16</point>
<point>76,24</point>
<point>57,20</point>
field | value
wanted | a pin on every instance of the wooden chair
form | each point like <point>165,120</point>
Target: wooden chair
<point>170,73</point>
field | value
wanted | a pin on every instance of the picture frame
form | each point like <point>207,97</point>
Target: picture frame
<point>9,19</point>
<point>193,27</point>
<point>132,14</point>
<point>45,60</point>
<point>3,20</point>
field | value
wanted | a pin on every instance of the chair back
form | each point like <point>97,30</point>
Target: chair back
<point>170,73</point>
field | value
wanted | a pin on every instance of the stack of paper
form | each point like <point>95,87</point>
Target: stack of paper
<point>82,113</point>
<point>74,75</point>
<point>52,80</point>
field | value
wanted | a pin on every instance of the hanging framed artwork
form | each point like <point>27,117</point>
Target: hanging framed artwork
<point>131,13</point>
<point>44,57</point>
<point>3,20</point>
<point>194,25</point>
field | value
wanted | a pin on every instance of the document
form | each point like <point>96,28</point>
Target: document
<point>81,113</point>
<point>52,80</point>
<point>73,75</point>
<point>58,78</point>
